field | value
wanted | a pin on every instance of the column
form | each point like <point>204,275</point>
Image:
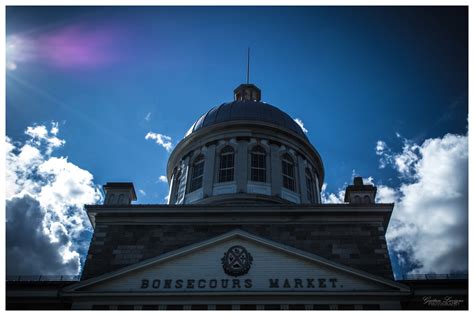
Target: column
<point>172,189</point>
<point>318,193</point>
<point>241,166</point>
<point>275,166</point>
<point>208,176</point>
<point>302,180</point>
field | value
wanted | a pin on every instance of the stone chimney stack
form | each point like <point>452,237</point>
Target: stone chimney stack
<point>360,193</point>
<point>119,193</point>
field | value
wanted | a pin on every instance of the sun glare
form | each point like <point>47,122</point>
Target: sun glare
<point>17,50</point>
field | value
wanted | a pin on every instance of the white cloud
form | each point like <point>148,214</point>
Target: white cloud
<point>142,192</point>
<point>147,117</point>
<point>382,150</point>
<point>54,128</point>
<point>39,135</point>
<point>161,140</point>
<point>332,198</point>
<point>368,180</point>
<point>380,147</point>
<point>429,221</point>
<point>300,123</point>
<point>67,186</point>
<point>405,161</point>
<point>163,179</point>
<point>385,194</point>
<point>428,228</point>
<point>47,195</point>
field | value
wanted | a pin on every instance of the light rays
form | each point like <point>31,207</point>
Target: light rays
<point>78,114</point>
<point>78,46</point>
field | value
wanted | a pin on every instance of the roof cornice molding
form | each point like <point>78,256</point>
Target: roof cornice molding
<point>304,211</point>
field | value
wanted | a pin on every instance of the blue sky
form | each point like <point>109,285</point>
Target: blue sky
<point>357,77</point>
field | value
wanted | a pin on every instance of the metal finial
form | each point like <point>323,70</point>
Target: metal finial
<point>248,64</point>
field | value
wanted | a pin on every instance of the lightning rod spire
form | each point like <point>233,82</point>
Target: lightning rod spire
<point>247,92</point>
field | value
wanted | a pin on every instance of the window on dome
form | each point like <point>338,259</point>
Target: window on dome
<point>258,167</point>
<point>288,172</point>
<point>226,165</point>
<point>197,173</point>
<point>309,186</point>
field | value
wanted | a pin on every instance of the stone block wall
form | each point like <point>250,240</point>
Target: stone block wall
<point>358,245</point>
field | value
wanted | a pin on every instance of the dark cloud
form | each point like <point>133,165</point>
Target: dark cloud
<point>47,227</point>
<point>28,250</point>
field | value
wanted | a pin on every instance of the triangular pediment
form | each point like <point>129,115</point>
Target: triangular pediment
<point>237,262</point>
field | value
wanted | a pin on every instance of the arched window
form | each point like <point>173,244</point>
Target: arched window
<point>288,172</point>
<point>309,186</point>
<point>357,199</point>
<point>111,199</point>
<point>258,165</point>
<point>367,199</point>
<point>196,174</point>
<point>226,165</point>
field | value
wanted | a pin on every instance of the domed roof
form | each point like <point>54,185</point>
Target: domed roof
<point>247,110</point>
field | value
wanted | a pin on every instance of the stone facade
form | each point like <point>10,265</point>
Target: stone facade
<point>359,244</point>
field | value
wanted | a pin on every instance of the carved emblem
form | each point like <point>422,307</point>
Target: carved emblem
<point>236,261</point>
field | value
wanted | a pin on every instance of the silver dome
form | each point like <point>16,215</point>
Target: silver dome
<point>246,111</point>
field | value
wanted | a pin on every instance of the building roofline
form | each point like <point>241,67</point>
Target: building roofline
<point>293,210</point>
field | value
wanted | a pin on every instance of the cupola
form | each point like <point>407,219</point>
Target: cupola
<point>247,92</point>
